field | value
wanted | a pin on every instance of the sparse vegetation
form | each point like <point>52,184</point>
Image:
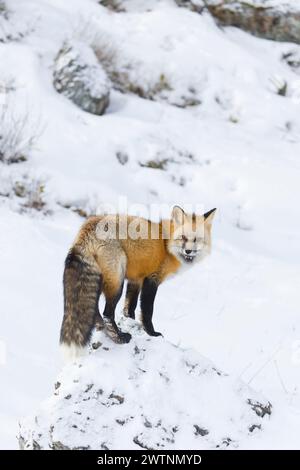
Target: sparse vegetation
<point>128,74</point>
<point>84,208</point>
<point>123,75</point>
<point>292,59</point>
<point>168,156</point>
<point>18,134</point>
<point>157,164</point>
<point>26,192</point>
<point>32,192</point>
<point>3,7</point>
<point>114,5</point>
<point>11,28</point>
<point>76,209</point>
<point>280,86</point>
<point>7,86</point>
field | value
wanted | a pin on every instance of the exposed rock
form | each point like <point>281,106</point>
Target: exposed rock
<point>263,18</point>
<point>120,399</point>
<point>193,5</point>
<point>79,76</point>
<point>122,157</point>
<point>200,431</point>
<point>261,410</point>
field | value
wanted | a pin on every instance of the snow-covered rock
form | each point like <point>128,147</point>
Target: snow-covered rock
<point>79,76</point>
<point>270,19</point>
<point>148,394</point>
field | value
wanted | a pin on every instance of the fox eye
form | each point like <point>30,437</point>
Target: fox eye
<point>184,238</point>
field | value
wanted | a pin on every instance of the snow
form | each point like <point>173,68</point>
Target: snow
<point>238,151</point>
<point>148,394</point>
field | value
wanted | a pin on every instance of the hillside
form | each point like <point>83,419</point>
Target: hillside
<point>197,114</point>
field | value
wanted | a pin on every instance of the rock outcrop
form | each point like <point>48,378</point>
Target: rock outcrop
<point>263,18</point>
<point>149,394</point>
<point>79,76</point>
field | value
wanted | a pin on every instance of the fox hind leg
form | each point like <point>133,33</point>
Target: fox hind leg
<point>132,295</point>
<point>113,274</point>
<point>110,325</point>
<point>99,323</point>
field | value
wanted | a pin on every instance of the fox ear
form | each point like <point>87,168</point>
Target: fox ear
<point>208,216</point>
<point>178,215</point>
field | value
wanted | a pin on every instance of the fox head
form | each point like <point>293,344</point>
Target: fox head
<point>190,239</point>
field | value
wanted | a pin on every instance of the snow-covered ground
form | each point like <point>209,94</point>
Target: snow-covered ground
<point>148,394</point>
<point>237,149</point>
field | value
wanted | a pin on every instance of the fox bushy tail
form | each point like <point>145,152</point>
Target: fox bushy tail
<point>82,288</point>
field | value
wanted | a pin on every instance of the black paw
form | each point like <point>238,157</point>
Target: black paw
<point>153,332</point>
<point>124,337</point>
<point>157,333</point>
<point>129,314</point>
<point>116,335</point>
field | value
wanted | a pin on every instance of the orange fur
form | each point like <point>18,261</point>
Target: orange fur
<point>111,248</point>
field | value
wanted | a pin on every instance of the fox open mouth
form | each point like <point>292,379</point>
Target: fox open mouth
<point>188,258</point>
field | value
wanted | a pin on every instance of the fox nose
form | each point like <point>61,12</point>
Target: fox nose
<point>188,252</point>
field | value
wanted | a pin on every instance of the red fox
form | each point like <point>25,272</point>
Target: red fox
<point>104,255</point>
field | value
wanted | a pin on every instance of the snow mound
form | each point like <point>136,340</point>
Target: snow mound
<point>149,394</point>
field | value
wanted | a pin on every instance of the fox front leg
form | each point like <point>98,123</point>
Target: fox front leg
<point>149,289</point>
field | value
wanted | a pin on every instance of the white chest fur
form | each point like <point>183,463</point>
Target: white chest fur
<point>184,266</point>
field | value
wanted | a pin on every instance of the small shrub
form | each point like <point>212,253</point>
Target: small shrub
<point>14,27</point>
<point>32,192</point>
<point>85,207</point>
<point>166,156</point>
<point>74,208</point>
<point>18,134</point>
<point>279,85</point>
<point>157,164</point>
<point>25,192</point>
